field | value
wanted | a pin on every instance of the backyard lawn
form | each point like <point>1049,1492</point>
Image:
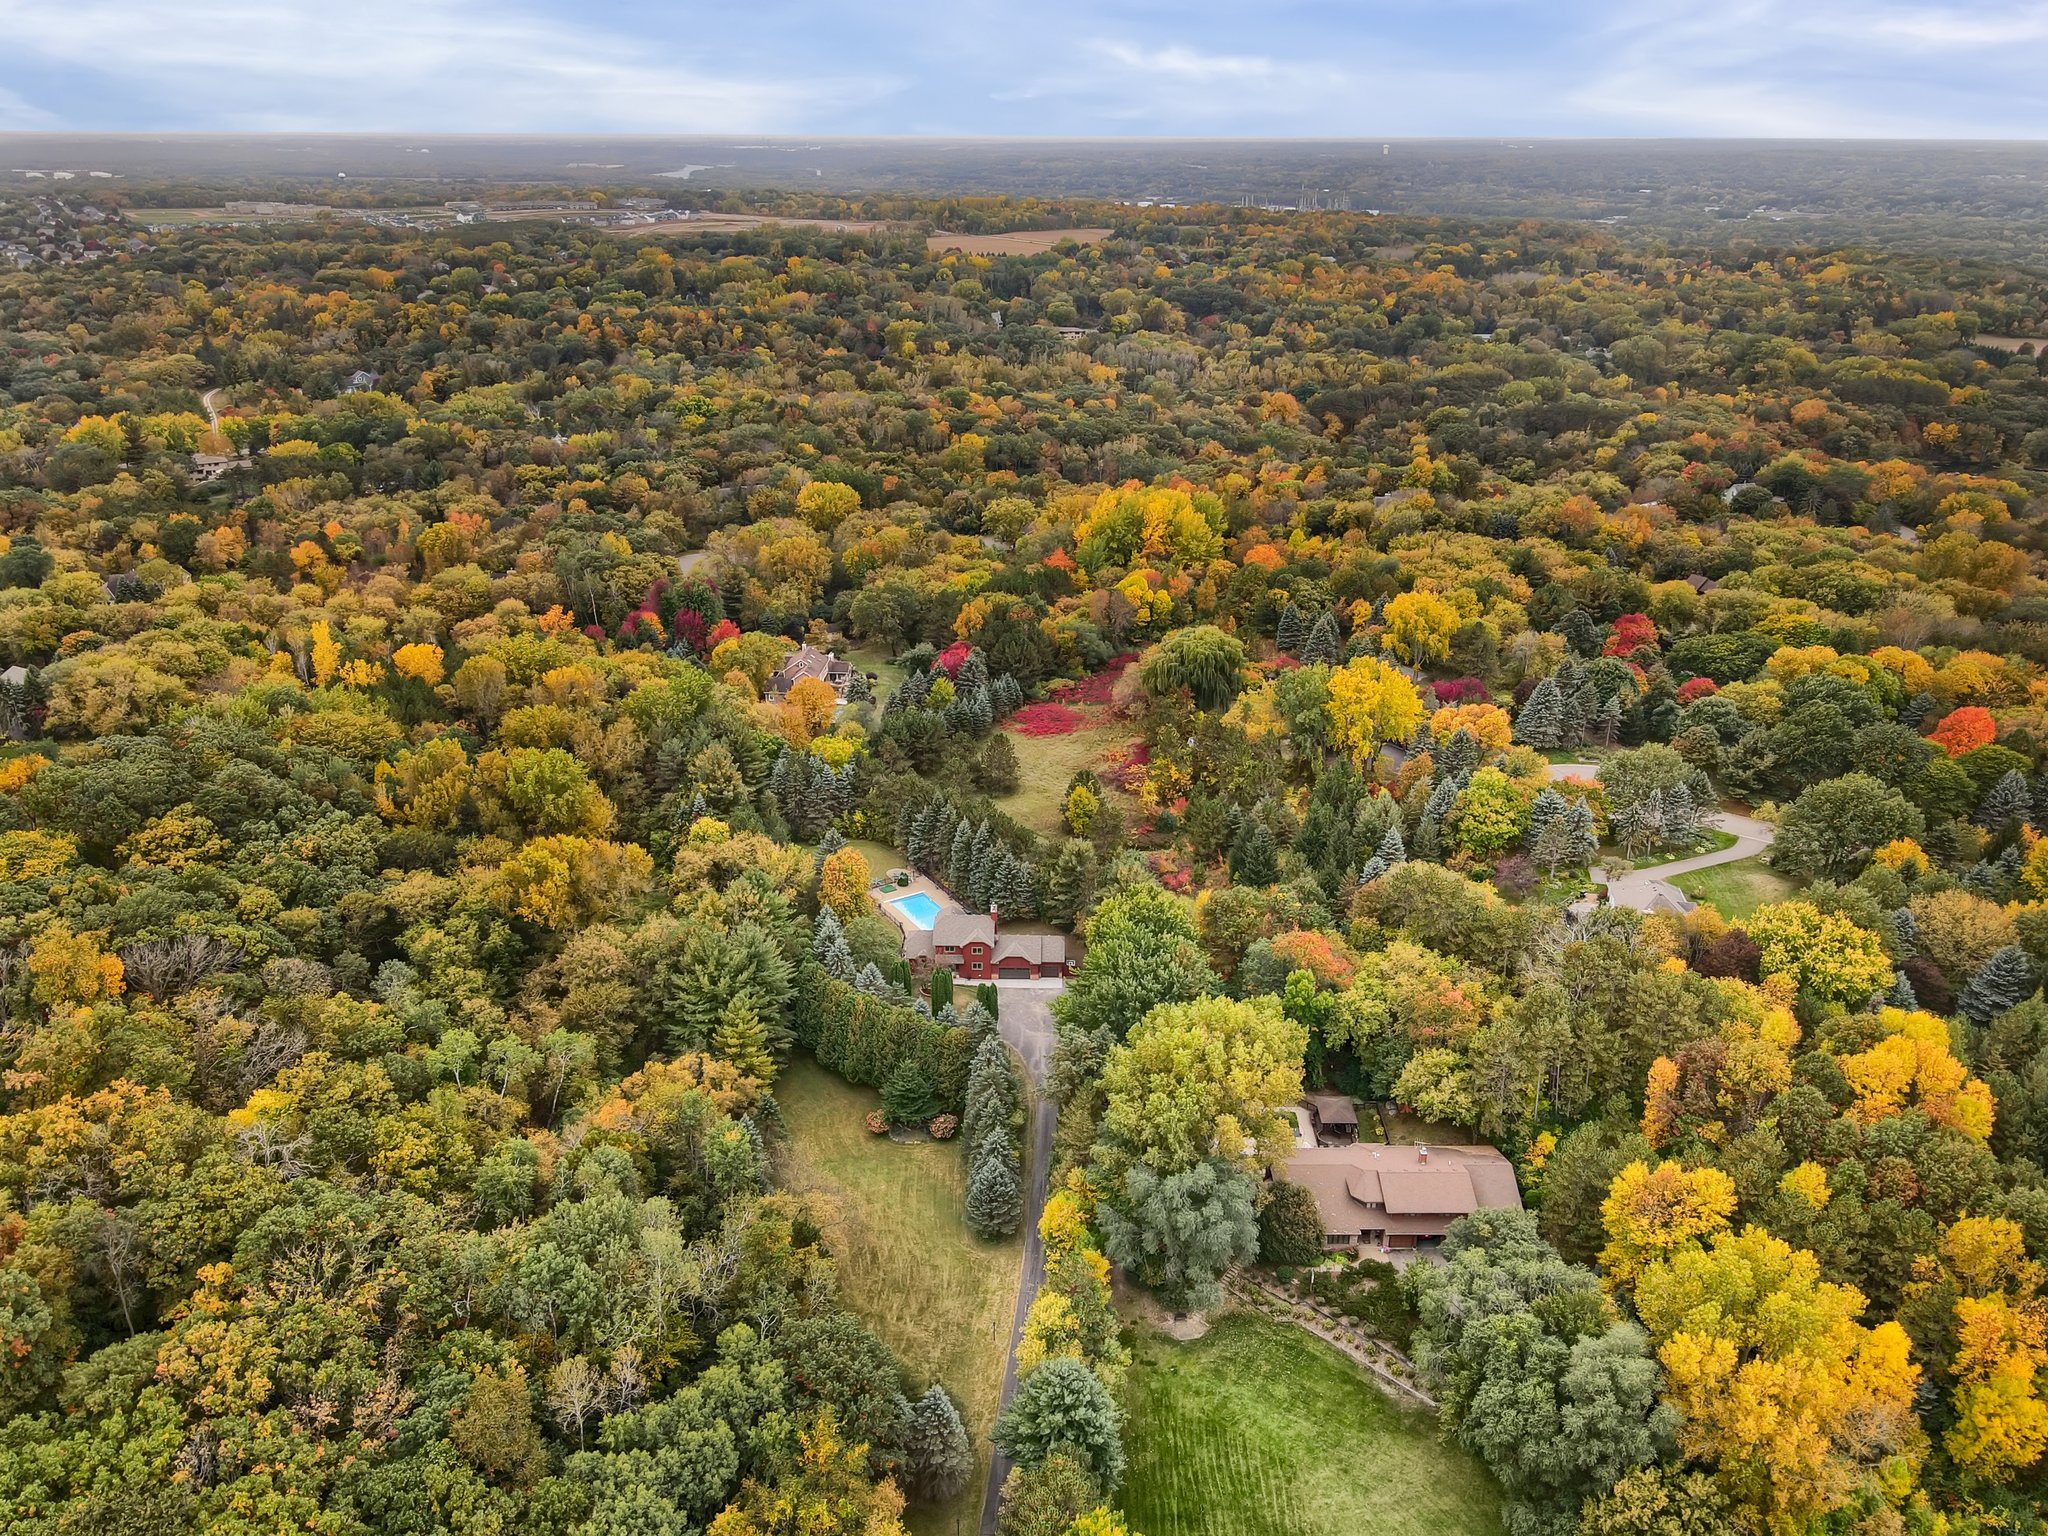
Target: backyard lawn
<point>1257,1429</point>
<point>1046,763</point>
<point>942,1300</point>
<point>1736,889</point>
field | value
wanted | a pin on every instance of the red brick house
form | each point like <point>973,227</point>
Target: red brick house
<point>969,945</point>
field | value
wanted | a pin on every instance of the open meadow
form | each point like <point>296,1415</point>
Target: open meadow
<point>939,1297</point>
<point>1258,1429</point>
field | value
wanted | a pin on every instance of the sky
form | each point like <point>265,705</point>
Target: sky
<point>1222,68</point>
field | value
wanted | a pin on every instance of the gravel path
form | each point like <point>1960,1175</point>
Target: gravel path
<point>1026,1023</point>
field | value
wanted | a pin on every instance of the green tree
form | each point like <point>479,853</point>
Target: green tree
<point>1063,1406</point>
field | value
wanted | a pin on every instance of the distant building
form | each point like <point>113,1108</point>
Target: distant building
<point>807,661</point>
<point>1400,1197</point>
<point>359,381</point>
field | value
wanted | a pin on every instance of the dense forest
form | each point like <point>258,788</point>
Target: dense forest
<point>414,886</point>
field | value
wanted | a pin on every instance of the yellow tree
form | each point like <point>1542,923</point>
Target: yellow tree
<point>1651,1212</point>
<point>843,884</point>
<point>807,709</point>
<point>1799,1407</point>
<point>1370,705</point>
<point>1990,1291</point>
<point>1419,627</point>
<point>1913,1067</point>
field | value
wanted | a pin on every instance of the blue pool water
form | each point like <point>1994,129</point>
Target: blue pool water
<point>918,907</point>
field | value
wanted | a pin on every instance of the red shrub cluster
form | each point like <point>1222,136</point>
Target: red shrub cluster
<point>953,658</point>
<point>1047,720</point>
<point>1462,690</point>
<point>1632,632</point>
<point>1696,688</point>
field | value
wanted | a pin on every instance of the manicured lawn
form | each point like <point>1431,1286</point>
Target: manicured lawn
<point>1711,841</point>
<point>939,1298</point>
<point>1046,763</point>
<point>1736,889</point>
<point>872,658</point>
<point>880,856</point>
<point>1257,1429</point>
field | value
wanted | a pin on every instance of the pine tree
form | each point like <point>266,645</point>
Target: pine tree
<point>1610,720</point>
<point>1901,994</point>
<point>1460,755</point>
<point>1289,636</point>
<point>2004,981</point>
<point>937,1457</point>
<point>973,671</point>
<point>960,856</point>
<point>1540,721</point>
<point>1253,859</point>
<point>742,1039</point>
<point>1548,806</point>
<point>1552,846</point>
<point>1906,930</point>
<point>1428,840</point>
<point>995,1196</point>
<point>1008,694</point>
<point>1371,870</point>
<point>829,946</point>
<point>1582,710</point>
<point>1680,822</point>
<point>1391,848</point>
<point>2008,802</point>
<point>993,1095</point>
<point>1635,825</point>
<point>1324,641</point>
<point>858,689</point>
<point>909,1097</point>
<point>1584,843</point>
<point>869,979</point>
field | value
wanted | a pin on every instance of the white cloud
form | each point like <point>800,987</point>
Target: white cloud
<point>450,65</point>
<point>1187,64</point>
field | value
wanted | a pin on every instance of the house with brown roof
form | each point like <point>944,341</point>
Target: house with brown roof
<point>807,661</point>
<point>1399,1197</point>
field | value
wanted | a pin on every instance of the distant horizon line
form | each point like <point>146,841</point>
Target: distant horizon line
<point>1509,140</point>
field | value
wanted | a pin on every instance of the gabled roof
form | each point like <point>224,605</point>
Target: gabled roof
<point>1367,1187</point>
<point>955,930</point>
<point>1038,948</point>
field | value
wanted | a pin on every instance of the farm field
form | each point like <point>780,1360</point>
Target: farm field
<point>933,1293</point>
<point>1737,889</point>
<point>1021,242</point>
<point>1257,1429</point>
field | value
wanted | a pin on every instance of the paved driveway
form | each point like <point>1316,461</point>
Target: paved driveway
<point>1645,889</point>
<point>1024,1015</point>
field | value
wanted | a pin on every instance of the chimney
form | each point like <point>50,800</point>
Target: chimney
<point>1422,1155</point>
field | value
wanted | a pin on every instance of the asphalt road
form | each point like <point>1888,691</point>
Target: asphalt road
<point>1026,1023</point>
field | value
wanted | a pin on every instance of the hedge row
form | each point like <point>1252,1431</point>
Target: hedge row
<point>864,1038</point>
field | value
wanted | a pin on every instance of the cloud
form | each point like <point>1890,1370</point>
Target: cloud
<point>449,65</point>
<point>1176,62</point>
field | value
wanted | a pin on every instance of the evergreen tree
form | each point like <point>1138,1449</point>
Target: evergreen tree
<point>1008,694</point>
<point>1680,821</point>
<point>909,1097</point>
<point>742,1039</point>
<point>1429,840</point>
<point>1070,883</point>
<point>1371,870</point>
<point>1540,721</point>
<point>960,858</point>
<point>937,1458</point>
<point>1324,642</point>
<point>973,671</point>
<point>995,1195</point>
<point>1609,723</point>
<point>1552,846</point>
<point>1391,848</point>
<point>1584,845</point>
<point>1905,930</point>
<point>1547,807</point>
<point>1635,825</point>
<point>1253,859</point>
<point>2004,981</point>
<point>993,1095</point>
<point>1901,994</point>
<point>829,946</point>
<point>2007,803</point>
<point>858,689</point>
<point>1459,757</point>
<point>1290,635</point>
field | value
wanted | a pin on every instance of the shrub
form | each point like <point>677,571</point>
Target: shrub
<point>944,1127</point>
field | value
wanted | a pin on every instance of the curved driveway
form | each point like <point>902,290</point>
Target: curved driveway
<point>1648,890</point>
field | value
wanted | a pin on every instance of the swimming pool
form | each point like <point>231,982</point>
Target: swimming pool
<point>918,907</point>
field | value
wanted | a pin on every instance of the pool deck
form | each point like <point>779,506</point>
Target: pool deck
<point>886,897</point>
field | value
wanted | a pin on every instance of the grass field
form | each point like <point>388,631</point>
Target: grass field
<point>939,1298</point>
<point>1736,889</point>
<point>880,856</point>
<point>1020,242</point>
<point>873,658</point>
<point>1046,763</point>
<point>1257,1429</point>
<point>1712,840</point>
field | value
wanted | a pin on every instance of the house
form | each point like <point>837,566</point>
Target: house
<point>807,661</point>
<point>968,944</point>
<point>1400,1197</point>
<point>359,381</point>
